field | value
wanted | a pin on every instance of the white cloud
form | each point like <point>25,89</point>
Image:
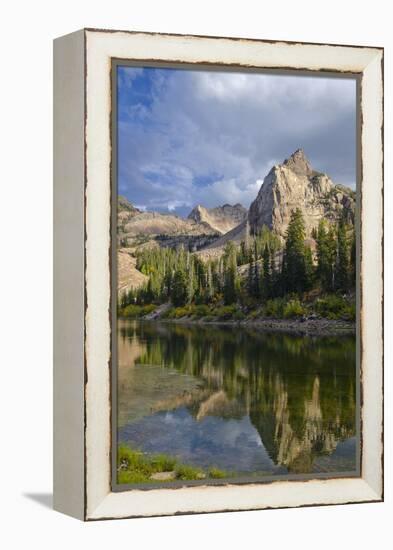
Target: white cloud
<point>235,126</point>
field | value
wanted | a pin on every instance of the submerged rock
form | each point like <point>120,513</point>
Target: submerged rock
<point>163,476</point>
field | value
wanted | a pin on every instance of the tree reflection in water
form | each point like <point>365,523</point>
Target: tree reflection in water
<point>297,392</point>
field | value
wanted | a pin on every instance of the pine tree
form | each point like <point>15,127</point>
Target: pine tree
<point>250,278</point>
<point>332,255</point>
<point>255,285</point>
<point>216,277</point>
<point>309,268</point>
<point>230,294</point>
<point>342,269</point>
<point>131,297</point>
<point>352,262</point>
<point>266,275</point>
<point>149,295</point>
<point>123,300</point>
<point>247,243</point>
<point>179,288</point>
<point>231,282</point>
<point>210,286</point>
<point>190,283</point>
<point>294,265</point>
<point>326,251</point>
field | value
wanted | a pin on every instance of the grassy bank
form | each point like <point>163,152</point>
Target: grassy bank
<point>330,307</point>
<point>135,467</point>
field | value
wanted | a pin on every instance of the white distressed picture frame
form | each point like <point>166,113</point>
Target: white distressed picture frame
<point>82,239</point>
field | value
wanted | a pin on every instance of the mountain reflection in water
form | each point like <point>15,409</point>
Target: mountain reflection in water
<point>236,398</point>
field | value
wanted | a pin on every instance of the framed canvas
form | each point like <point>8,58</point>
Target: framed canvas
<point>218,268</point>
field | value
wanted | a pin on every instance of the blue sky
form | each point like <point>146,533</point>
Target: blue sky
<point>205,137</point>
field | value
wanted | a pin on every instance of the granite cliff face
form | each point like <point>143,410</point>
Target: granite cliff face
<point>294,184</point>
<point>221,219</point>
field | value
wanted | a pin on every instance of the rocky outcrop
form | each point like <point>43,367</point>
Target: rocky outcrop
<point>294,184</point>
<point>124,205</point>
<point>221,219</point>
<point>125,212</point>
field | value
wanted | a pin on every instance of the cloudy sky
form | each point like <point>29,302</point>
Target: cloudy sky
<point>206,137</point>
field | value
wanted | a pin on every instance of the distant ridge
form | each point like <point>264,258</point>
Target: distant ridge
<point>221,218</point>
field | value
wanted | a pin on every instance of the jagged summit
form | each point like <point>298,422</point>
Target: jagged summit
<point>299,163</point>
<point>294,184</point>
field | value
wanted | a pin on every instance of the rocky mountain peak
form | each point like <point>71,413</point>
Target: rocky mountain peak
<point>299,163</point>
<point>294,184</point>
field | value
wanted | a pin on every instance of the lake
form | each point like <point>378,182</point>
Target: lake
<point>249,402</point>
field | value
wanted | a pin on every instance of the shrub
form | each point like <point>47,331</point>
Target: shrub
<point>180,312</point>
<point>215,473</point>
<point>224,312</point>
<point>275,307</point>
<point>254,314</point>
<point>293,309</point>
<point>350,312</point>
<point>177,312</point>
<point>239,315</point>
<point>133,311</point>
<point>201,310</point>
<point>148,308</point>
<point>333,306</point>
<point>169,313</point>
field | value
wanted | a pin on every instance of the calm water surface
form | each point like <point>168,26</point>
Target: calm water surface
<point>245,401</point>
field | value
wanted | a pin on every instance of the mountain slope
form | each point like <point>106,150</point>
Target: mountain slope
<point>128,275</point>
<point>216,248</point>
<point>221,218</point>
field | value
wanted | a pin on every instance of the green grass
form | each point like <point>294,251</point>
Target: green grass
<point>136,467</point>
<point>163,463</point>
<point>215,473</point>
<point>124,477</point>
<point>186,472</point>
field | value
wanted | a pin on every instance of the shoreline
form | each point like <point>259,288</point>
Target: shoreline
<point>306,327</point>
